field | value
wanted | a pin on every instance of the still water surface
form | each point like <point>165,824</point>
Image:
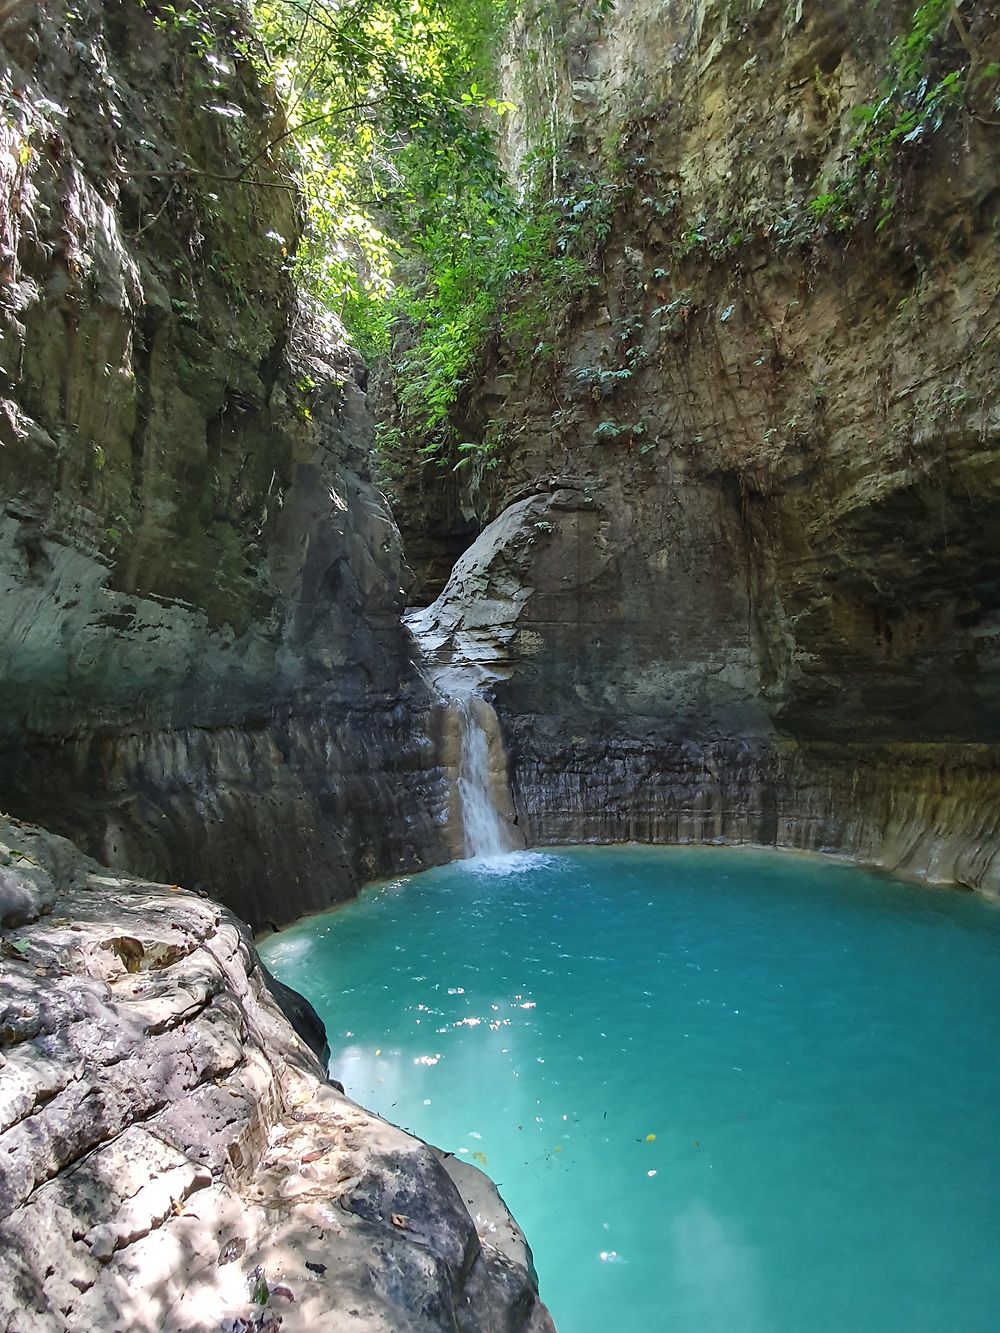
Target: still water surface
<point>723,1091</point>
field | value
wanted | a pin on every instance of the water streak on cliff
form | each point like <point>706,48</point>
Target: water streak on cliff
<point>479,777</point>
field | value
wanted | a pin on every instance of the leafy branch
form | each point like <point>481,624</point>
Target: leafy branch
<point>916,99</point>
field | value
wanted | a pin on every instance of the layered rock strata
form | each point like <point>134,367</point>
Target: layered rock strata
<point>628,717</point>
<point>204,673</point>
<point>742,577</point>
<point>171,1155</point>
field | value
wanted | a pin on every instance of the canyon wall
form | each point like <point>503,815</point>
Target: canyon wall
<point>204,672</point>
<point>755,583</point>
<point>748,487</point>
<point>736,578</point>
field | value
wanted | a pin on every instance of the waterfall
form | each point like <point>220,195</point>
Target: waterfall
<point>484,829</point>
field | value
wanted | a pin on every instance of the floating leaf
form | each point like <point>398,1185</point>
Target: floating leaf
<point>258,1287</point>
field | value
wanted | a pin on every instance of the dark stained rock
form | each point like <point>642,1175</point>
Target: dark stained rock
<point>304,1019</point>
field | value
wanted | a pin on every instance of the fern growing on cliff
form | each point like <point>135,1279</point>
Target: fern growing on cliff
<point>935,68</point>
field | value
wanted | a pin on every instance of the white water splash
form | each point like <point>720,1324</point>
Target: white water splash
<point>484,830</point>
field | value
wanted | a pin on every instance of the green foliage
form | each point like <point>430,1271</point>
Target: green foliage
<point>917,96</point>
<point>486,264</point>
<point>482,454</point>
<point>606,431</point>
<point>609,431</point>
<point>391,116</point>
<point>412,234</point>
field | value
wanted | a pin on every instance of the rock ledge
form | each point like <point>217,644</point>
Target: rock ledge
<point>171,1156</point>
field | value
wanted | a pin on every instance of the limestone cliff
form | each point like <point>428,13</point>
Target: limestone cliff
<point>171,1156</point>
<point>204,673</point>
<point>738,579</point>
<point>757,587</point>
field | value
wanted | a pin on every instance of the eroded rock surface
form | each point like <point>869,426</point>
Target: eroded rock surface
<point>769,609</point>
<point>172,1158</point>
<point>204,673</point>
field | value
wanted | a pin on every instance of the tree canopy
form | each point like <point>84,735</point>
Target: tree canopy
<point>392,112</point>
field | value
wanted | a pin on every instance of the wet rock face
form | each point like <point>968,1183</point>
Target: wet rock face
<point>171,1157</point>
<point>609,742</point>
<point>771,603</point>
<point>198,581</point>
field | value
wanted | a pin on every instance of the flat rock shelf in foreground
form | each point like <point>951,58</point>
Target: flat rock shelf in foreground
<point>720,1089</point>
<point>171,1160</point>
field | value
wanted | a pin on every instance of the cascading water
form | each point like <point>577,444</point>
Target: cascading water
<point>482,822</point>
<point>483,828</point>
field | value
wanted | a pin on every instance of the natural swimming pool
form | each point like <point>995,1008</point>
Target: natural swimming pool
<point>722,1090</point>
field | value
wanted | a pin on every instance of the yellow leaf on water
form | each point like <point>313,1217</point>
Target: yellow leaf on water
<point>479,1157</point>
<point>650,1138</point>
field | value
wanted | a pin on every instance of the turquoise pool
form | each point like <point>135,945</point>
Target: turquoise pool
<point>723,1090</point>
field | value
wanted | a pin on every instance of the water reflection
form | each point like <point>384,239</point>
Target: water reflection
<point>719,1282</point>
